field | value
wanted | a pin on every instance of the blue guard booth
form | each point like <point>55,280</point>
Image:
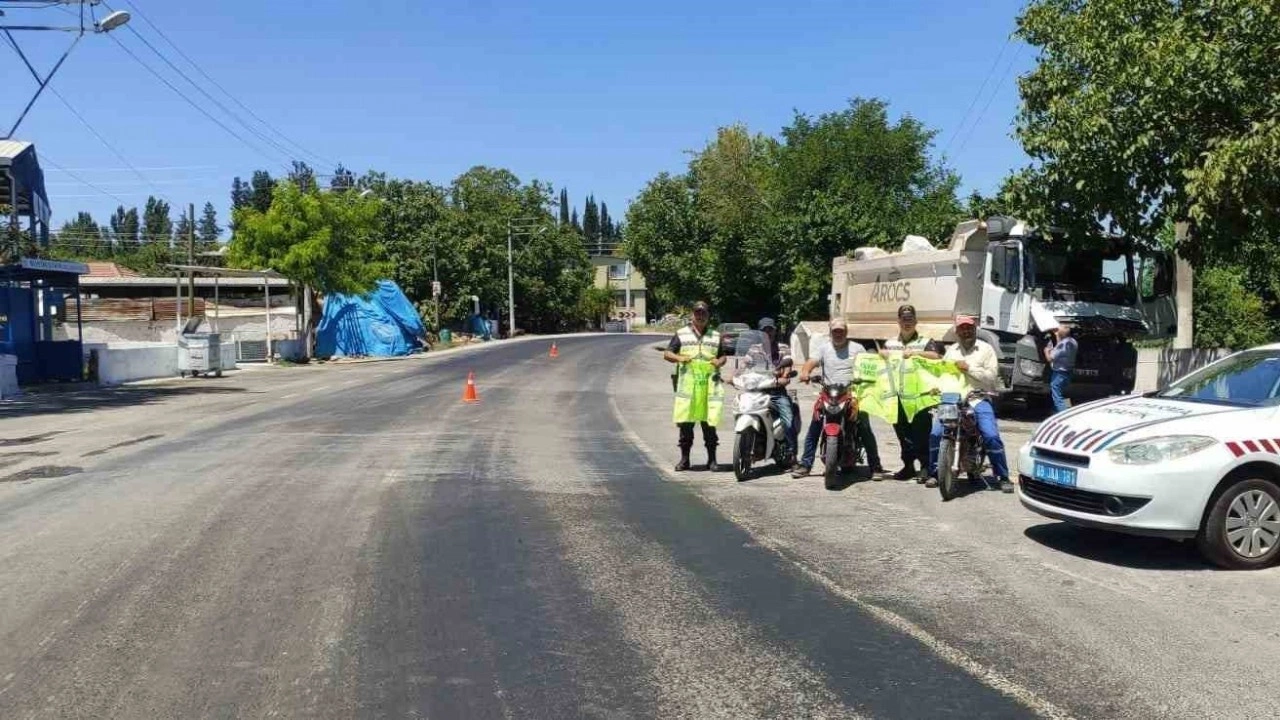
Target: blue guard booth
<point>40,319</point>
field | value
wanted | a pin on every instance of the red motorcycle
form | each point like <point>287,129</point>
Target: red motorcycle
<point>837,410</point>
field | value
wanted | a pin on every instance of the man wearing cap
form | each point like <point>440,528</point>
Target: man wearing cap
<point>835,357</point>
<point>780,400</point>
<point>913,434</point>
<point>977,360</point>
<point>695,342</point>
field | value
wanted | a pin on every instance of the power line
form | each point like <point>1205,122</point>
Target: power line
<point>114,150</point>
<point>978,95</point>
<point>149,169</point>
<point>224,91</point>
<point>286,152</point>
<point>184,96</point>
<point>73,176</point>
<point>994,92</point>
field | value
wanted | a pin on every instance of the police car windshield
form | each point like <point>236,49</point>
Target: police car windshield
<point>1249,379</point>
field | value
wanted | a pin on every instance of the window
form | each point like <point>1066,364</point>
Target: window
<point>618,272</point>
<point>620,299</point>
<point>1155,278</point>
<point>1249,379</point>
<point>1006,267</point>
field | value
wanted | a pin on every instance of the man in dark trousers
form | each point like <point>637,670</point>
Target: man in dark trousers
<point>696,352</point>
<point>913,434</point>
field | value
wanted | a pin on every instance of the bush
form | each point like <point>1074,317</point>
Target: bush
<point>1226,313</point>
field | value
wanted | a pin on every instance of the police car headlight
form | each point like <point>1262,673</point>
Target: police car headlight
<point>1159,449</point>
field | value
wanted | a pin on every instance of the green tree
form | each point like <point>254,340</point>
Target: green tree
<point>261,190</point>
<point>564,206</point>
<point>1226,313</point>
<point>591,223</point>
<point>207,229</point>
<point>81,238</point>
<point>157,226</point>
<point>665,241</point>
<point>182,231</point>
<point>124,230</point>
<point>1145,112</point>
<point>303,176</point>
<point>343,179</point>
<point>322,241</point>
<point>595,304</point>
<point>241,194</point>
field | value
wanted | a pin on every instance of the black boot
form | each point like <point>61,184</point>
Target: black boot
<point>683,464</point>
<point>712,465</point>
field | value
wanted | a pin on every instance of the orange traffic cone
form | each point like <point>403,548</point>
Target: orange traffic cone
<point>555,353</point>
<point>469,395</point>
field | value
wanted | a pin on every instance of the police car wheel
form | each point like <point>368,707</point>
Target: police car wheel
<point>1242,529</point>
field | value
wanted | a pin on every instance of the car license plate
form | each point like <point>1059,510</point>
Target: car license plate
<point>1055,474</point>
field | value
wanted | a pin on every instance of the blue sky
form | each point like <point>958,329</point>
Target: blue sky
<point>595,96</point>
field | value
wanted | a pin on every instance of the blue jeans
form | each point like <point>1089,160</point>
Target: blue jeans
<point>781,407</point>
<point>990,432</point>
<point>1058,382</point>
<point>865,437</point>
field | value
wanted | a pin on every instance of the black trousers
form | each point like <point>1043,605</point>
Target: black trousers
<point>913,437</point>
<point>710,437</point>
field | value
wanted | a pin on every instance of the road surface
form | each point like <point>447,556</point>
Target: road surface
<point>353,541</point>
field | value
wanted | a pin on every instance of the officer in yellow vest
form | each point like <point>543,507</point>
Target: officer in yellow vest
<point>912,430</point>
<point>695,350</point>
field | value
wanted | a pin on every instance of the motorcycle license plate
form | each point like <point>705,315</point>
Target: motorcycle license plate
<point>1054,474</point>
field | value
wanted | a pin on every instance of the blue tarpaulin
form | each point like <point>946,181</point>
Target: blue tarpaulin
<point>382,323</point>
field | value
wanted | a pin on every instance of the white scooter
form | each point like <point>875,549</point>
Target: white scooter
<point>757,433</point>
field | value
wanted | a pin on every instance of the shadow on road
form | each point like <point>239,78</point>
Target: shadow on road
<point>1131,551</point>
<point>90,399</point>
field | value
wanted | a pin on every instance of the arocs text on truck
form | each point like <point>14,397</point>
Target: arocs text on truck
<point>1020,285</point>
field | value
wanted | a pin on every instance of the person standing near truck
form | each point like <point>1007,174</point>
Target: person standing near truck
<point>1061,356</point>
<point>912,430</point>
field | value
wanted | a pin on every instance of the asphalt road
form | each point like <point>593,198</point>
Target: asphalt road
<point>353,541</point>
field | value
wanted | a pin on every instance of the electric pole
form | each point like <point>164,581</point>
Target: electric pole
<point>191,259</point>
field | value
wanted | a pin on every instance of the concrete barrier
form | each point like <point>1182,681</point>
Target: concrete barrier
<point>126,362</point>
<point>1158,367</point>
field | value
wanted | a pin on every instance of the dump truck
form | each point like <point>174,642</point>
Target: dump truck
<point>1020,283</point>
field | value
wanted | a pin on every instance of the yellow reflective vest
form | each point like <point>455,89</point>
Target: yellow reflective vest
<point>699,395</point>
<point>914,383</point>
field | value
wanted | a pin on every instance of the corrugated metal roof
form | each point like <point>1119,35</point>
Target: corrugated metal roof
<point>108,269</point>
<point>10,149</point>
<point>169,282</point>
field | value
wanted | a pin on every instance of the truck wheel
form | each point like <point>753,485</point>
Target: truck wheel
<point>1242,530</point>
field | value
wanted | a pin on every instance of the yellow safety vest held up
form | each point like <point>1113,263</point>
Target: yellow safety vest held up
<point>699,397</point>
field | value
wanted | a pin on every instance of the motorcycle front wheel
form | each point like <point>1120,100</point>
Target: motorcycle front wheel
<point>947,468</point>
<point>742,450</point>
<point>830,462</point>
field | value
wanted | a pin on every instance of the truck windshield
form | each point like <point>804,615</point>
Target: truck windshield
<point>1058,274</point>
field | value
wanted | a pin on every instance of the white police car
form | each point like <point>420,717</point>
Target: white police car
<point>1199,459</point>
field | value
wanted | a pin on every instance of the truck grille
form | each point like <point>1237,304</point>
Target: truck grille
<point>1084,501</point>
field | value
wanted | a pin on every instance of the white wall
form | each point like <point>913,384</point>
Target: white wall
<point>1157,367</point>
<point>126,362</point>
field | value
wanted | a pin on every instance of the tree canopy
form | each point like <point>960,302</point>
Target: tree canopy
<point>753,223</point>
<point>1144,112</point>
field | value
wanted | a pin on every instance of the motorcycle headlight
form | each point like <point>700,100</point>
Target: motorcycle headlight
<point>1159,449</point>
<point>947,412</point>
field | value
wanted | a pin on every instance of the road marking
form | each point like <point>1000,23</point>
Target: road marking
<point>985,674</point>
<point>286,397</point>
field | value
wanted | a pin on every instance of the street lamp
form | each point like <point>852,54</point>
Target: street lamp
<point>111,22</point>
<point>525,228</point>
